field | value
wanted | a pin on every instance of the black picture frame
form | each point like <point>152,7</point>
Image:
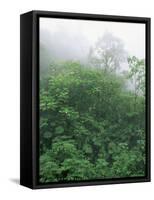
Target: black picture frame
<point>29,97</point>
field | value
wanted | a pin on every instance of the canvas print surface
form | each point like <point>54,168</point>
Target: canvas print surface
<point>92,100</point>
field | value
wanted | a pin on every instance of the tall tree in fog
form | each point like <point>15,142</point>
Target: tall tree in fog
<point>108,53</point>
<point>136,75</point>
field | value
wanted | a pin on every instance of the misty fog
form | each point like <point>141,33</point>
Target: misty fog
<point>90,43</point>
<point>62,39</point>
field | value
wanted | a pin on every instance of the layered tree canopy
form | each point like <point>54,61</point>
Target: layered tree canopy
<point>91,125</point>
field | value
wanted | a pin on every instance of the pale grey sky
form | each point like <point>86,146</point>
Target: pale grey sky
<point>132,34</point>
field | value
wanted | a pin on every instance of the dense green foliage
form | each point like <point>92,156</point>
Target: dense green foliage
<point>91,126</point>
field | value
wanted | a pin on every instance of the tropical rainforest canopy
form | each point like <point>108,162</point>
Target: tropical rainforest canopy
<point>92,121</point>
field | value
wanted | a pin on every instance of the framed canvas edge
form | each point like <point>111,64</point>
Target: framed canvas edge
<point>35,95</point>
